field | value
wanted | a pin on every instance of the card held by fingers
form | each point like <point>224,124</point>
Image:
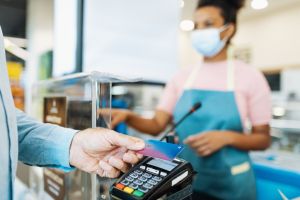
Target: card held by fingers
<point>162,150</point>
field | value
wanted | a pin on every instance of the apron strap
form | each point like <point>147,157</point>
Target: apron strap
<point>192,77</point>
<point>230,73</point>
<point>230,69</point>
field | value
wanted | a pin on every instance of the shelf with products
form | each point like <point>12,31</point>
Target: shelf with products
<point>15,68</point>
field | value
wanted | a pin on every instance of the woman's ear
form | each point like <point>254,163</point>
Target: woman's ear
<point>229,31</point>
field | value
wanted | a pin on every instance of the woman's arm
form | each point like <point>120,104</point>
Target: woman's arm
<point>259,139</point>
<point>152,126</point>
<point>207,143</point>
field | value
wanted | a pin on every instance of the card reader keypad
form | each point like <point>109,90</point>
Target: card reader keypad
<point>141,181</point>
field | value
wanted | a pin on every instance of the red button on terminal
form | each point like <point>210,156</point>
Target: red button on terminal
<point>120,186</point>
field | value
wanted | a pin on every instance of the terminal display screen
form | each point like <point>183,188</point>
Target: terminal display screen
<point>163,164</point>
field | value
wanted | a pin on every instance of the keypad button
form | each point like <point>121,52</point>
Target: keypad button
<point>157,178</point>
<point>163,174</point>
<point>128,190</point>
<point>120,186</point>
<point>138,193</point>
<point>134,175</point>
<point>125,182</point>
<point>142,178</point>
<point>152,182</point>
<point>128,178</point>
<point>142,167</point>
<point>143,189</point>
<point>134,186</point>
<point>138,182</point>
<point>138,172</point>
<point>148,186</point>
<point>154,171</point>
<point>146,175</point>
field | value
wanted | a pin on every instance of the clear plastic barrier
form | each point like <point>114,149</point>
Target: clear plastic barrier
<point>76,101</point>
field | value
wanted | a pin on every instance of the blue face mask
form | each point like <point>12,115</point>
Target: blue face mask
<point>208,41</point>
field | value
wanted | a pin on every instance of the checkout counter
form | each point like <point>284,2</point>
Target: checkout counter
<point>277,175</point>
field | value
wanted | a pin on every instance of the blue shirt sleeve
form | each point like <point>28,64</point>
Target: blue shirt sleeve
<point>42,144</point>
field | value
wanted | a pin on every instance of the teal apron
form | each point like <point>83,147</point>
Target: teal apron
<point>227,173</point>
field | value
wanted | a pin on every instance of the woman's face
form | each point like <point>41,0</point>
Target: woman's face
<point>210,17</point>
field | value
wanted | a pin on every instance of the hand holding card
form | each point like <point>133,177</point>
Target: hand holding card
<point>162,150</point>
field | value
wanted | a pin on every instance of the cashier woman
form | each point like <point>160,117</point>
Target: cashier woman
<point>232,94</point>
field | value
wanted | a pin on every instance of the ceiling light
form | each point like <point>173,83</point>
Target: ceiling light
<point>187,25</point>
<point>259,4</point>
<point>181,3</point>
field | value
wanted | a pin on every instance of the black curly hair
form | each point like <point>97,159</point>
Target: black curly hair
<point>229,8</point>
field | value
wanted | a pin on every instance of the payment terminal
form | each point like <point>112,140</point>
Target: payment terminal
<point>152,178</point>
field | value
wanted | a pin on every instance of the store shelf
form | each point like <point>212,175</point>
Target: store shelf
<point>286,125</point>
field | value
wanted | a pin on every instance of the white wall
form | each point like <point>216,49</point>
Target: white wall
<point>187,55</point>
<point>132,38</point>
<point>40,39</point>
<point>290,82</point>
<point>274,38</point>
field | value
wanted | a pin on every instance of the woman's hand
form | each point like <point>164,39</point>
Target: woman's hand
<point>208,143</point>
<point>118,116</point>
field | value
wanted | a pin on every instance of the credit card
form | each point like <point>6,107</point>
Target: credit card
<point>162,150</point>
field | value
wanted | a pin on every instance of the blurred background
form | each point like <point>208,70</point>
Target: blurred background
<point>151,40</point>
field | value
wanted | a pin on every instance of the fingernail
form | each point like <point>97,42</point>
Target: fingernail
<point>138,145</point>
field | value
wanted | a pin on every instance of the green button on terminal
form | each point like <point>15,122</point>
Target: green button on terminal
<point>138,193</point>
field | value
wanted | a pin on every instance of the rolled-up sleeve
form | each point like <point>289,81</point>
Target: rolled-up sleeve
<point>259,100</point>
<point>42,144</point>
<point>169,97</point>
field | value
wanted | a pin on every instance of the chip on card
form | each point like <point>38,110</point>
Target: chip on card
<point>162,150</point>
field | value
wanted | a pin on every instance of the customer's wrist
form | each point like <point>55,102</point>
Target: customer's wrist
<point>73,146</point>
